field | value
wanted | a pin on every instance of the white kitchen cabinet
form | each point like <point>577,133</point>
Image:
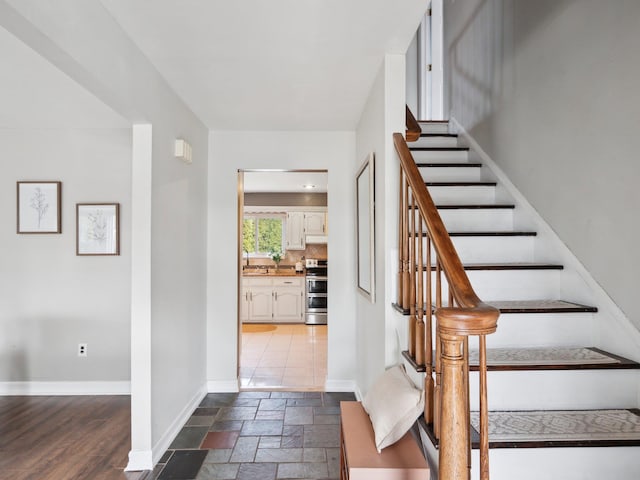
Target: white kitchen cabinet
<point>287,299</point>
<point>295,231</point>
<point>261,304</point>
<point>315,223</point>
<point>272,299</point>
<point>244,302</point>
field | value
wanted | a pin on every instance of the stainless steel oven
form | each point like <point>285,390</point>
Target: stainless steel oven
<point>316,289</point>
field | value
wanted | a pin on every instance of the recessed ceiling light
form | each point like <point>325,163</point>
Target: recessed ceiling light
<point>308,186</point>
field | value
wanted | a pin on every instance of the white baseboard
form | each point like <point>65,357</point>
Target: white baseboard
<point>339,385</point>
<point>619,335</point>
<point>223,386</point>
<point>161,446</point>
<point>65,388</point>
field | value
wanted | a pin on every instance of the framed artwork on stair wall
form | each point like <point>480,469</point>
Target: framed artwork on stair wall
<point>98,229</point>
<point>365,228</point>
<point>38,207</point>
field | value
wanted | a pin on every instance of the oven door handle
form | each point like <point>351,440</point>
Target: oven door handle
<point>317,278</point>
<point>316,295</point>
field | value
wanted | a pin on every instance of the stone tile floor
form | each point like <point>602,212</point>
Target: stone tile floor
<point>258,436</point>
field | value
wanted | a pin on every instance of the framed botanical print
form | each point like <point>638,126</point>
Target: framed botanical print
<point>39,207</point>
<point>98,229</point>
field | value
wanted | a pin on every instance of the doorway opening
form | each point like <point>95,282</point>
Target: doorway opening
<point>282,243</point>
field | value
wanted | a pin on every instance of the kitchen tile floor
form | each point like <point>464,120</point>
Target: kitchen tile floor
<point>283,357</point>
<point>259,436</point>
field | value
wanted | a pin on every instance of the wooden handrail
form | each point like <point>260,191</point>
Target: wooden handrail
<point>413,127</point>
<point>447,395</point>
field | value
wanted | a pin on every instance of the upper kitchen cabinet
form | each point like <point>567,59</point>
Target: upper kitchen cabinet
<point>295,231</point>
<point>315,223</point>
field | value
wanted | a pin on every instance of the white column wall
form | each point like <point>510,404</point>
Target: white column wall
<point>384,114</point>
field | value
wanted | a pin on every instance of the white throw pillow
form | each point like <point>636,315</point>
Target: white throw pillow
<point>393,404</point>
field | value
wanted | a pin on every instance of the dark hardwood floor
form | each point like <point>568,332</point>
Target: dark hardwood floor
<point>65,438</point>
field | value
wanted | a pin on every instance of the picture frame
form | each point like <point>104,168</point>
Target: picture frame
<point>365,227</point>
<point>97,229</point>
<point>38,205</point>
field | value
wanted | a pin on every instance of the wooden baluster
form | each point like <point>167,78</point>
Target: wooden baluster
<point>467,405</point>
<point>428,379</point>
<point>437,392</point>
<point>412,278</point>
<point>420,346</point>
<point>401,217</point>
<point>484,410</point>
<point>405,249</point>
<point>454,430</point>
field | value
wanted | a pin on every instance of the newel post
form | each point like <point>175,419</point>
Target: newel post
<point>454,416</point>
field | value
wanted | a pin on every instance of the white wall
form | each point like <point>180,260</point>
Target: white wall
<point>384,114</point>
<point>549,90</point>
<point>231,151</point>
<point>52,299</point>
<point>412,76</point>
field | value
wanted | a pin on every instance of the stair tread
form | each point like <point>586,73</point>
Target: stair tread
<point>510,266</point>
<point>550,358</point>
<point>613,427</point>
<point>448,164</point>
<point>438,134</point>
<point>497,233</point>
<point>551,428</point>
<point>529,306</point>
<point>439,149</point>
<point>540,306</point>
<point>476,206</point>
<point>460,184</point>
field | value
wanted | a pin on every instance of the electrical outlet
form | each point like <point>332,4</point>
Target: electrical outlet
<point>82,349</point>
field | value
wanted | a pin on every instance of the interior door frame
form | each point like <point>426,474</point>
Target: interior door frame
<point>240,251</point>
<point>431,63</point>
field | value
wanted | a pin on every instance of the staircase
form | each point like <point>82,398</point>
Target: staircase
<point>559,407</point>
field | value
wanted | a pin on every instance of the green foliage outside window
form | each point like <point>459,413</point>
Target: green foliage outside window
<point>249,235</point>
<point>262,235</point>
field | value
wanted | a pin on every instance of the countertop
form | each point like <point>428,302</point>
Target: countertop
<point>264,271</point>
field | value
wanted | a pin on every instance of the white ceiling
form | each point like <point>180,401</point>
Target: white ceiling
<point>285,182</point>
<point>270,65</point>
<point>36,94</point>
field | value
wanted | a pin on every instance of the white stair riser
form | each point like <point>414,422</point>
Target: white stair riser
<point>494,249</point>
<point>510,284</point>
<point>434,127</point>
<point>466,195</point>
<point>440,155</point>
<point>435,142</point>
<point>450,174</point>
<point>542,330</point>
<point>473,220</point>
<point>557,389</point>
<point>593,463</point>
<point>491,249</point>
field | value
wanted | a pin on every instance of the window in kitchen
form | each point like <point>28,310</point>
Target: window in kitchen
<point>263,234</point>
